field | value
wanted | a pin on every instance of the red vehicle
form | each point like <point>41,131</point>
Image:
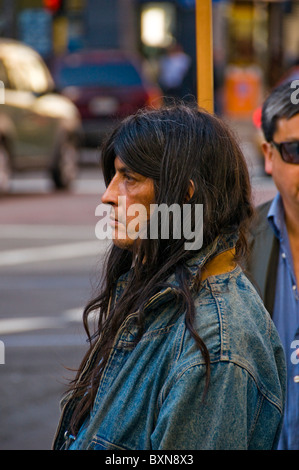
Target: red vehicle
<point>106,86</point>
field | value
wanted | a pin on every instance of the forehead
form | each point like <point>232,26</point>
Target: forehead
<point>288,128</point>
<point>121,167</point>
<point>119,164</point>
<point>139,168</point>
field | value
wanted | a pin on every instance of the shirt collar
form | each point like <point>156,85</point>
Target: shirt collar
<point>276,216</point>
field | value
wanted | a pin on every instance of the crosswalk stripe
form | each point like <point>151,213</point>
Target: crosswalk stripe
<point>22,324</point>
<point>53,252</point>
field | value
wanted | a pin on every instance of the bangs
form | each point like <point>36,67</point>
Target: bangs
<point>107,161</point>
<point>132,143</point>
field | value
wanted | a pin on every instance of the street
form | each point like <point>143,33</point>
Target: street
<point>50,264</point>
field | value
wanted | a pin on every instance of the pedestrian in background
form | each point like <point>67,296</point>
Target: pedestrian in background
<point>184,354</point>
<point>274,255</point>
<point>173,68</point>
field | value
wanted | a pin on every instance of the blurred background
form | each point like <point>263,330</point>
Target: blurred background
<point>69,70</point>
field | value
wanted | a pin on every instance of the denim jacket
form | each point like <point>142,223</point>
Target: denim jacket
<point>151,395</point>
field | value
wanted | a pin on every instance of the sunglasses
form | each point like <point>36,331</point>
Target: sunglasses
<point>289,151</point>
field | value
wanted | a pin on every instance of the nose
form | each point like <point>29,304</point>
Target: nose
<point>111,194</point>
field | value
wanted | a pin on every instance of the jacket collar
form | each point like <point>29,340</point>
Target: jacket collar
<point>222,243</point>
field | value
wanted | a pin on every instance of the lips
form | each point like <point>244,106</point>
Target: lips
<point>115,222</point>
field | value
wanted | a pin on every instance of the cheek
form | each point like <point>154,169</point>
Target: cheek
<point>286,179</point>
<point>280,170</point>
<point>138,207</point>
<point>145,196</point>
<point>149,196</point>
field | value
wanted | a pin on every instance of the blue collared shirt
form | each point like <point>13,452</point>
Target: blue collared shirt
<point>286,319</point>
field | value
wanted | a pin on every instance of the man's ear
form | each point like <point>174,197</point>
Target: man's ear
<point>190,191</point>
<point>267,149</point>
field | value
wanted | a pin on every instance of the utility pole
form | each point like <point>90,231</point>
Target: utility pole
<point>204,54</point>
<point>275,44</point>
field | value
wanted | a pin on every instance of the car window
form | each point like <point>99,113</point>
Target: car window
<point>27,74</point>
<point>114,74</point>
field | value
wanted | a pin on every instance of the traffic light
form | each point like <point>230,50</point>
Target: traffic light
<point>52,5</point>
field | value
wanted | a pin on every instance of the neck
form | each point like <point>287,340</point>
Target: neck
<point>292,223</point>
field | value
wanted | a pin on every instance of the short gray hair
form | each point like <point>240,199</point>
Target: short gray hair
<point>278,105</point>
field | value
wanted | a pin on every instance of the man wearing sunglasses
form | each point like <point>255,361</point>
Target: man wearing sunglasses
<point>274,257</point>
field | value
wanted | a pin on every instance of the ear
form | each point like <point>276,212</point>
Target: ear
<point>190,191</point>
<point>268,155</point>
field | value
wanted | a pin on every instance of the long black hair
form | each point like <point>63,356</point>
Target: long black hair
<point>173,146</point>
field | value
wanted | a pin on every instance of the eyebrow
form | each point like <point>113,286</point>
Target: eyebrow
<point>124,169</point>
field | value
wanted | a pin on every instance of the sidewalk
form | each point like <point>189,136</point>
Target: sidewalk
<point>262,185</point>
<point>249,139</point>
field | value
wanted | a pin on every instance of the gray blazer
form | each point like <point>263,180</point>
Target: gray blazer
<point>263,257</point>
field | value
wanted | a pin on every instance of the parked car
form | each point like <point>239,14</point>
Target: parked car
<point>39,129</point>
<point>106,86</point>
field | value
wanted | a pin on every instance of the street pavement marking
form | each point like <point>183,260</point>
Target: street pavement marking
<point>48,232</point>
<point>53,252</point>
<point>18,325</point>
<point>45,340</point>
<point>10,326</point>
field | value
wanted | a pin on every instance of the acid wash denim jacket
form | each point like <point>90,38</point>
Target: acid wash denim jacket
<point>150,395</point>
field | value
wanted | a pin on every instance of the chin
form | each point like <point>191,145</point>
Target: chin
<point>124,244</point>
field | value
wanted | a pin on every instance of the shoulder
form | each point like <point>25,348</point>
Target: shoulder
<point>260,240</point>
<point>237,330</point>
<point>239,307</point>
<point>228,311</point>
<point>259,222</point>
<point>234,322</point>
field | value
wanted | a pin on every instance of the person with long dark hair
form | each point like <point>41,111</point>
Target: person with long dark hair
<point>183,354</point>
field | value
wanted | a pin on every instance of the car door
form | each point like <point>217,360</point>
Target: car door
<point>34,129</point>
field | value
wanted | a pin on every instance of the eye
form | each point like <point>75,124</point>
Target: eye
<point>129,177</point>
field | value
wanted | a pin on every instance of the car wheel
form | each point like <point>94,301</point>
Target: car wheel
<point>5,170</point>
<point>66,165</point>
